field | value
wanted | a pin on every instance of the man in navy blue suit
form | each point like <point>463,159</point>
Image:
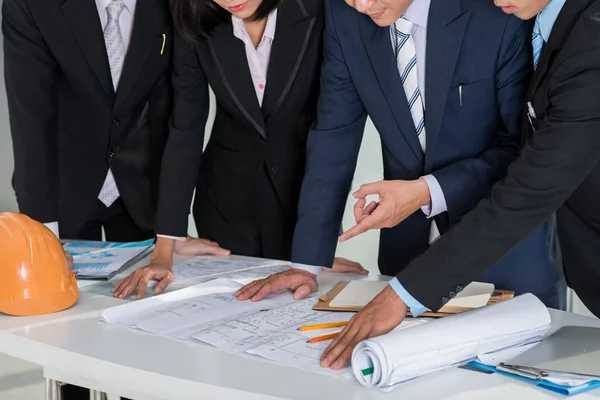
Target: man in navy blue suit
<point>444,83</point>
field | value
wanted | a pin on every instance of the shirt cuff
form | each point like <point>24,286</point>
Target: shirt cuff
<point>310,268</point>
<point>53,226</point>
<point>172,237</point>
<point>438,201</point>
<point>413,305</point>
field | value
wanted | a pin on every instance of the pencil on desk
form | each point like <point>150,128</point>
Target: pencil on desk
<point>321,338</point>
<point>323,326</point>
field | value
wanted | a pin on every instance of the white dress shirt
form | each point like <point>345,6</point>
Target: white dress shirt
<point>258,60</point>
<point>126,24</point>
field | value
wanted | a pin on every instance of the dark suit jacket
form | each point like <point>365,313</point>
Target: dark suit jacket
<point>247,140</point>
<point>557,170</point>
<point>68,125</point>
<point>469,145</point>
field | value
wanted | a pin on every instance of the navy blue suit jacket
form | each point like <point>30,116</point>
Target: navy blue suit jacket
<point>470,43</point>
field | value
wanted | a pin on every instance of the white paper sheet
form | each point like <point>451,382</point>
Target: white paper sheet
<point>203,267</point>
<point>274,335</point>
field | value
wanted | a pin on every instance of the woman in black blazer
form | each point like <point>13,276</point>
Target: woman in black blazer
<point>262,60</point>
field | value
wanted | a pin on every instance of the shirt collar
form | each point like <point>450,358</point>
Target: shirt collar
<point>239,29</point>
<point>548,16</point>
<point>418,12</point>
<point>102,4</point>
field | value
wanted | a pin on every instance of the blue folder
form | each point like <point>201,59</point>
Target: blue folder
<point>543,384</point>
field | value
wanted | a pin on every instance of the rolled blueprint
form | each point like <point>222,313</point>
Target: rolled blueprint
<point>402,355</point>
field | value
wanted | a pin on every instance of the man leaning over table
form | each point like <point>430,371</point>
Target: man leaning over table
<point>449,129</point>
<point>557,171</point>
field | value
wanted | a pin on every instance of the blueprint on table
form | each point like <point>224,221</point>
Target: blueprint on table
<point>267,328</point>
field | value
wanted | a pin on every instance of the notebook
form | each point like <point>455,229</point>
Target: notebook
<point>353,295</point>
<point>104,260</point>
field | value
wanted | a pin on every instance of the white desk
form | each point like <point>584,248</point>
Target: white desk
<point>76,347</point>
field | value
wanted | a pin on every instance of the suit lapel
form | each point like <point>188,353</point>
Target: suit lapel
<point>229,56</point>
<point>292,34</point>
<point>560,31</point>
<point>82,17</point>
<point>378,43</point>
<point>445,29</point>
<point>146,38</point>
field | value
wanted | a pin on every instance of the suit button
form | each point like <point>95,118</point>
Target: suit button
<point>111,154</point>
<point>445,300</point>
<point>116,122</point>
<point>274,169</point>
<point>452,295</point>
<point>459,289</point>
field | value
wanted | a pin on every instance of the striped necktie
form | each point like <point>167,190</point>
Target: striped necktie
<point>537,42</point>
<point>406,58</point>
<point>115,50</point>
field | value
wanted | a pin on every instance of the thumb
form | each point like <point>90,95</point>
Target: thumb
<point>366,189</point>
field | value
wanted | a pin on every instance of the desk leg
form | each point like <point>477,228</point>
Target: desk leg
<point>96,395</point>
<point>53,391</point>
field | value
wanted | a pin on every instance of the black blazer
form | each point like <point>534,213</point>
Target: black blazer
<point>68,125</point>
<point>557,170</point>
<point>245,137</point>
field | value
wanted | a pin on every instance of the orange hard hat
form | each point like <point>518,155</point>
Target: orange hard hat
<point>34,276</point>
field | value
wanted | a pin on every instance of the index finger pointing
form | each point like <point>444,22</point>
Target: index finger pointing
<point>361,227</point>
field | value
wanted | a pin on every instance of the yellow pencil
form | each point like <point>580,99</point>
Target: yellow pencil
<point>321,338</point>
<point>323,326</point>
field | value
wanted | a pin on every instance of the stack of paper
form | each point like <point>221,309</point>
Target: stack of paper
<point>403,355</point>
<point>103,260</point>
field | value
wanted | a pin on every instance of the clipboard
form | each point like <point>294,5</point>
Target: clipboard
<point>324,300</point>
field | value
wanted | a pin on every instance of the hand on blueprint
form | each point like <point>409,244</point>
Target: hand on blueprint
<point>299,281</point>
<point>342,265</point>
<point>397,201</point>
<point>384,313</point>
<point>159,270</point>
<point>199,247</point>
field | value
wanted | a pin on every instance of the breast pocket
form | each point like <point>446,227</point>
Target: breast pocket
<point>473,103</point>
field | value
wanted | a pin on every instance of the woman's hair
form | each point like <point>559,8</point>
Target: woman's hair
<point>198,18</point>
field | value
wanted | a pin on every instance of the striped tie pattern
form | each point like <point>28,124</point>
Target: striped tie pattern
<point>406,58</point>
<point>115,50</point>
<point>537,42</point>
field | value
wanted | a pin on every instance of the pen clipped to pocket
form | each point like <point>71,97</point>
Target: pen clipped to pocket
<point>460,87</point>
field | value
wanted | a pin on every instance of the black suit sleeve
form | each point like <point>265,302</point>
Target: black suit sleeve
<point>30,74</point>
<point>552,165</point>
<point>181,160</point>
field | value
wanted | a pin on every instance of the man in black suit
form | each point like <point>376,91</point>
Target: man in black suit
<point>557,171</point>
<point>89,96</point>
